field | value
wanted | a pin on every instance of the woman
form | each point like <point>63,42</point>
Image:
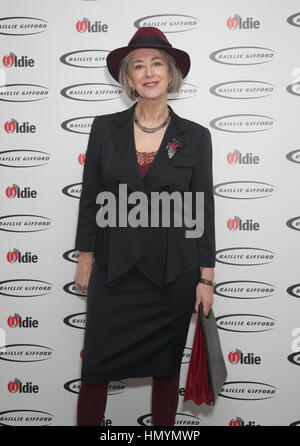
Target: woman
<point>145,282</point>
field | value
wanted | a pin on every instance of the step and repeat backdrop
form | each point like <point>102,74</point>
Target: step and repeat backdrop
<point>244,85</point>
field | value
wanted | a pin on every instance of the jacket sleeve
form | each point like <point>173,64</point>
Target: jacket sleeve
<point>202,181</point>
<point>91,186</point>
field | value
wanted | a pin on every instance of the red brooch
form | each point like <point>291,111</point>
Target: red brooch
<point>172,146</point>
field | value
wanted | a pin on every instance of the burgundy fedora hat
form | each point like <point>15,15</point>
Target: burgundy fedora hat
<point>147,37</point>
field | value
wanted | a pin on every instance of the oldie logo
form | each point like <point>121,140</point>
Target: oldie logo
<point>15,191</point>
<point>238,421</point>
<point>238,357</point>
<point>11,60</point>
<point>17,256</point>
<point>86,26</point>
<point>237,22</point>
<point>236,223</point>
<point>17,386</point>
<point>13,126</point>
<point>236,157</point>
<point>17,321</point>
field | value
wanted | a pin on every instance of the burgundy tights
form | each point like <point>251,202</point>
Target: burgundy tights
<point>92,400</point>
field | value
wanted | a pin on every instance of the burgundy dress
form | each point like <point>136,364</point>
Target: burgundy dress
<point>144,160</point>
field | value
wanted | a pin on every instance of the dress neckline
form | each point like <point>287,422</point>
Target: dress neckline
<point>145,157</point>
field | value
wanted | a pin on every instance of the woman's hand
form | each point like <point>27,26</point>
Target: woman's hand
<point>83,271</point>
<point>204,296</point>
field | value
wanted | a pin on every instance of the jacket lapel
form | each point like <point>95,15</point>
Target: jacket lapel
<point>123,135</point>
<point>175,130</point>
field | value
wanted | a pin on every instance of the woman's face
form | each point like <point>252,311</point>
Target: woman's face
<point>149,73</point>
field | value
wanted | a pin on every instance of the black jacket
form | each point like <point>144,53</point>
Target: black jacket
<point>161,253</point>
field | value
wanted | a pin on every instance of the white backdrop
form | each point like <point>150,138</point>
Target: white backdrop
<point>243,85</point>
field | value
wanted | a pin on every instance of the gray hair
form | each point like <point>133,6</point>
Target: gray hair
<point>175,72</point>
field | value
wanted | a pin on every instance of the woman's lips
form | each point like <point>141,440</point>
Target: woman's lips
<point>151,84</point>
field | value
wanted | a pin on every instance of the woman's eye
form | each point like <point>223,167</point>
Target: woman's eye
<point>137,67</point>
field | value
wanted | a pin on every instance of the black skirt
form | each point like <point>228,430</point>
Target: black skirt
<point>136,329</point>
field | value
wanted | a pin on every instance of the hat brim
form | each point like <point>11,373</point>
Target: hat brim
<point>115,57</point>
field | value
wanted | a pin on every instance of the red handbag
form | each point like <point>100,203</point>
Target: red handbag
<point>198,387</point>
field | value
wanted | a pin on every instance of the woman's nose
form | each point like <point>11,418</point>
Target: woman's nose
<point>149,70</point>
